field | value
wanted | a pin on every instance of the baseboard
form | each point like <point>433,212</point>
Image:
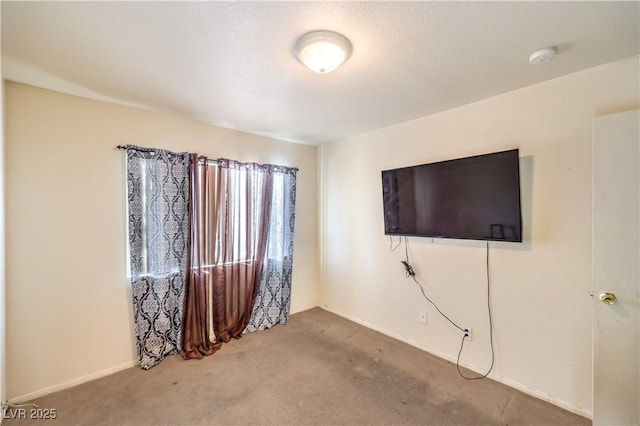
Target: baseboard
<point>71,383</point>
<point>504,380</point>
<point>302,309</point>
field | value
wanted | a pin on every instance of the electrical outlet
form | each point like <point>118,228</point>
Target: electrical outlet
<point>422,317</point>
<point>468,333</point>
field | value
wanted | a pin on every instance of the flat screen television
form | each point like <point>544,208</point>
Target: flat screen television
<point>475,198</point>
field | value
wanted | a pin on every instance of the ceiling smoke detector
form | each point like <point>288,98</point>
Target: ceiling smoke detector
<point>542,56</point>
<point>322,51</point>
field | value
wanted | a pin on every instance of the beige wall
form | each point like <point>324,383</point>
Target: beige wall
<point>540,302</point>
<point>69,317</point>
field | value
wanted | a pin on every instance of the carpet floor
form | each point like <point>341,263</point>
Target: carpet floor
<point>319,369</point>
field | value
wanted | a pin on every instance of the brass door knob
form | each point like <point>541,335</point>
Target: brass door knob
<point>608,298</point>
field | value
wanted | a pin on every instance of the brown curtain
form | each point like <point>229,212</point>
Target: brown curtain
<point>198,337</point>
<point>230,209</point>
<point>243,210</point>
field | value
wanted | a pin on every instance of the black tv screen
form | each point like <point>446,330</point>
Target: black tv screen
<point>474,198</point>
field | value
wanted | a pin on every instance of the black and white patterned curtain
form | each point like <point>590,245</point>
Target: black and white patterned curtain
<point>272,302</point>
<point>158,207</point>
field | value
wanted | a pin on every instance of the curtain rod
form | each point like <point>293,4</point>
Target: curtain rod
<point>204,160</point>
<point>138,148</point>
<point>201,158</point>
<point>145,149</point>
<point>150,150</point>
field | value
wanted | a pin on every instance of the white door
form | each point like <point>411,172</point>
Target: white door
<point>616,262</point>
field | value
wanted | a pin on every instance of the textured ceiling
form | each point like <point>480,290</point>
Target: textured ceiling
<point>230,64</point>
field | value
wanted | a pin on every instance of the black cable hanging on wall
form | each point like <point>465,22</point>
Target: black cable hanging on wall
<point>410,273</point>
<point>490,328</point>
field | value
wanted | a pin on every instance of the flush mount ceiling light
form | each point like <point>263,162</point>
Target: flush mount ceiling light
<point>542,56</point>
<point>322,51</point>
